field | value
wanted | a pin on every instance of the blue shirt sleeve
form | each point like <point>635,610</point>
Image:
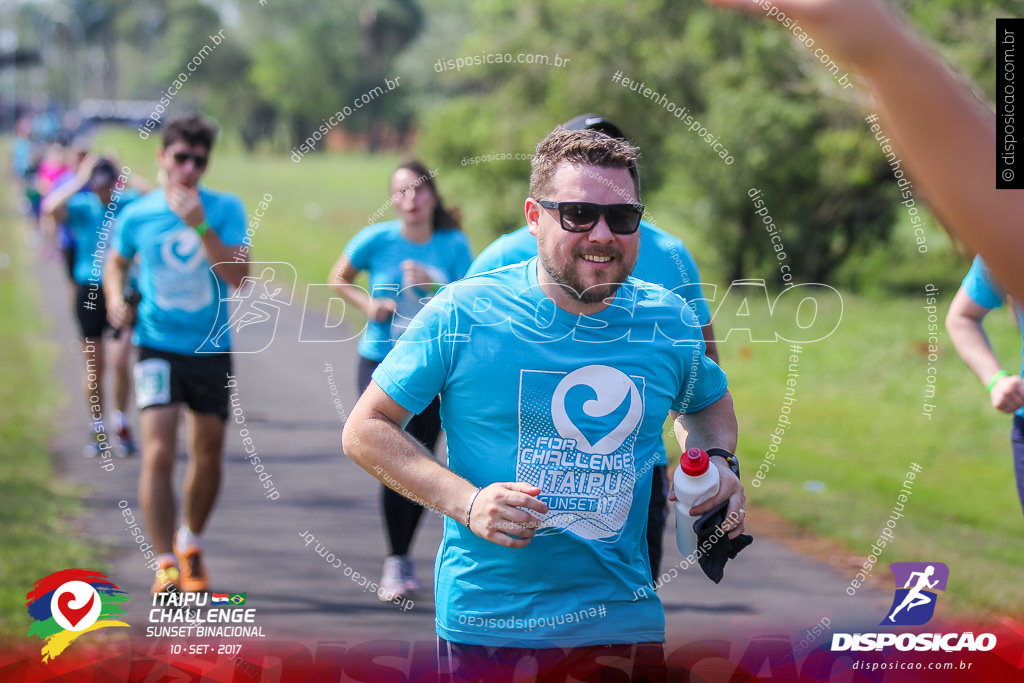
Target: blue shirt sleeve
<point>124,233</point>
<point>359,250</point>
<point>704,382</point>
<point>462,258</point>
<point>692,291</point>
<point>416,369</point>
<point>981,287</point>
<point>488,259</point>
<point>231,223</point>
<point>682,277</point>
<point>79,208</point>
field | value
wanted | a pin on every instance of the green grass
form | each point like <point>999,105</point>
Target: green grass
<point>37,509</point>
<point>856,426</point>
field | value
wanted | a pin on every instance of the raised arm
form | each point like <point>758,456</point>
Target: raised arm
<point>230,263</point>
<point>944,134</point>
<point>55,206</point>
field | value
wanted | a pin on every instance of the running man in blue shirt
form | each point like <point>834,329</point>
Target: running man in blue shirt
<point>189,242</point>
<point>978,295</point>
<point>88,205</point>
<point>555,376</point>
<point>663,260</point>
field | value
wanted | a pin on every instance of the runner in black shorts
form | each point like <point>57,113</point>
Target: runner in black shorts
<point>196,381</point>
<point>189,242</point>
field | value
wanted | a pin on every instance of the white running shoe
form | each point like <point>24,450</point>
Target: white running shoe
<point>391,584</point>
<point>409,581</point>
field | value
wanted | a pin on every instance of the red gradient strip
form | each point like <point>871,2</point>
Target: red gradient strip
<point>767,658</point>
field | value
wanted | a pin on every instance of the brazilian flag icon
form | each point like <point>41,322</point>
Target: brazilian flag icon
<point>237,598</point>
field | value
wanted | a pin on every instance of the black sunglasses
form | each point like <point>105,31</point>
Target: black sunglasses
<point>198,159</point>
<point>623,219</point>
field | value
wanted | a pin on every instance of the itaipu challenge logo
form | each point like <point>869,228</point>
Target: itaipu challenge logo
<point>72,602</point>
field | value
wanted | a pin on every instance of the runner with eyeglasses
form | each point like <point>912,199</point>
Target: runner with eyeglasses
<point>189,242</point>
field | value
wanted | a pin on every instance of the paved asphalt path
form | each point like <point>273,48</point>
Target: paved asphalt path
<point>255,545</point>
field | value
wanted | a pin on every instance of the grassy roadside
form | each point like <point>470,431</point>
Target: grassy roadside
<point>38,536</point>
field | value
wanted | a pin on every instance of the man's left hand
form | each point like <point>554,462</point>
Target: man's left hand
<point>729,487</point>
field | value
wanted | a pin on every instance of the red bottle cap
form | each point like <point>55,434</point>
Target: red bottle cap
<point>695,462</point>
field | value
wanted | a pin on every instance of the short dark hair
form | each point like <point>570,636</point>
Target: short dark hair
<point>192,129</point>
<point>581,147</point>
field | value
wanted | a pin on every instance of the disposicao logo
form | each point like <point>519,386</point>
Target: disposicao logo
<point>913,605</point>
<point>68,603</point>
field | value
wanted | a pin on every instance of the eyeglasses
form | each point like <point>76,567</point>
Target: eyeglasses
<point>198,159</point>
<point>623,219</point>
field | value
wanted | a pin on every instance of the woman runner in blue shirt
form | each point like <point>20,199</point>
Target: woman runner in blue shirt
<point>407,261</point>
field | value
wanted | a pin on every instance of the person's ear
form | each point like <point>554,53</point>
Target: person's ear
<point>532,210</point>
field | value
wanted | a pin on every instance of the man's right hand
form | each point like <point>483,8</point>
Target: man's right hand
<point>382,309</point>
<point>1008,393</point>
<point>497,517</point>
<point>117,313</point>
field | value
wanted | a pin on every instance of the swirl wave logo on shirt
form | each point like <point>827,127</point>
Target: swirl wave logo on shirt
<point>183,251</point>
<point>607,394</point>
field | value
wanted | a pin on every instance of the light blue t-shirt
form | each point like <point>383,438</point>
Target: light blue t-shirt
<point>983,290</point>
<point>575,405</point>
<point>93,230</point>
<point>182,297</point>
<point>380,250</point>
<point>663,259</point>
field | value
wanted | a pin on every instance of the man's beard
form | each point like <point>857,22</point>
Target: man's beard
<point>567,277</point>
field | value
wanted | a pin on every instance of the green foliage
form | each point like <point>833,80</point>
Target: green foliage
<point>750,84</point>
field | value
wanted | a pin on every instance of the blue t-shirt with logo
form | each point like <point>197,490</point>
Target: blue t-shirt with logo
<point>983,290</point>
<point>92,231</point>
<point>182,297</point>
<point>663,259</point>
<point>573,404</point>
<point>380,250</point>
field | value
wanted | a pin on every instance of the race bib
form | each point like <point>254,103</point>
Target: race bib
<point>152,382</point>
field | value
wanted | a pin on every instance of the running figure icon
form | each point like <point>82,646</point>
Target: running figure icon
<point>916,597</point>
<point>253,306</point>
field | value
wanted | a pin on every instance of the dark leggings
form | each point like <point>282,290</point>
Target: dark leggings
<point>401,515</point>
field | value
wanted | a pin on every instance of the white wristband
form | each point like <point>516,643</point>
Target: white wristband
<point>469,507</point>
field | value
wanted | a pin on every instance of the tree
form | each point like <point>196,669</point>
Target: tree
<point>753,88</point>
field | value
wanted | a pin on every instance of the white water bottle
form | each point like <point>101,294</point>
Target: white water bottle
<point>694,482</point>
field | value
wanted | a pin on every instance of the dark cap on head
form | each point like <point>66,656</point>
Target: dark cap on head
<point>594,122</point>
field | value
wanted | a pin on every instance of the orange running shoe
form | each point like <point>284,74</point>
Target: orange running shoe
<point>193,573</point>
<point>168,578</point>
